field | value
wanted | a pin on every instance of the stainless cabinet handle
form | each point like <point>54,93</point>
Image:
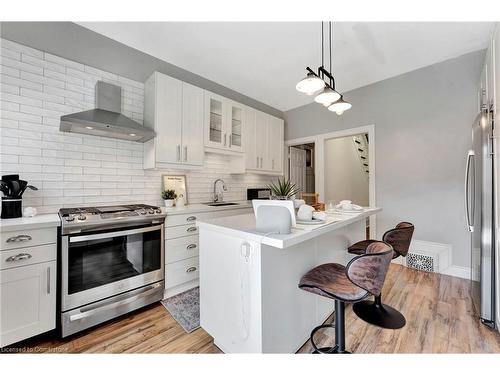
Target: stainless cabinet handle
<point>19,238</point>
<point>191,218</point>
<point>225,139</point>
<point>191,269</point>
<point>257,162</point>
<point>273,164</point>
<point>191,246</point>
<point>230,140</point>
<point>18,257</point>
<point>185,153</point>
<point>261,162</point>
<point>48,280</point>
<point>191,229</point>
<point>178,152</point>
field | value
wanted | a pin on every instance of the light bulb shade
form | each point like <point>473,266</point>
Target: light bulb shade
<point>310,84</point>
<point>340,106</point>
<point>328,96</point>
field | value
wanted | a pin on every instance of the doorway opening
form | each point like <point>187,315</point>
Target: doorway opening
<point>323,162</point>
<point>301,167</point>
<point>347,169</point>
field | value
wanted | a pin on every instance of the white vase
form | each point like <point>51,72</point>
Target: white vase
<point>169,202</point>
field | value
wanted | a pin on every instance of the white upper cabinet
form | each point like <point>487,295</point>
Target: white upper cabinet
<point>189,121</point>
<point>263,143</point>
<point>276,139</point>
<point>224,124</point>
<point>192,125</point>
<point>174,109</point>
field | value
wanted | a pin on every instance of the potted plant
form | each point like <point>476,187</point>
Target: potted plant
<point>169,197</point>
<point>283,189</point>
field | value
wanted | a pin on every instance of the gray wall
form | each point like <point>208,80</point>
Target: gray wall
<point>422,134</point>
<point>75,42</point>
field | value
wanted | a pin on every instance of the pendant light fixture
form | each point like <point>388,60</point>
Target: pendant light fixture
<point>340,106</point>
<point>316,81</point>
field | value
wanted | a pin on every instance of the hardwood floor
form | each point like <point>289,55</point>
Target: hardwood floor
<point>438,310</point>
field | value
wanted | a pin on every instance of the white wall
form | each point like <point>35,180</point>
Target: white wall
<point>344,177</point>
<point>423,131</point>
<point>79,170</point>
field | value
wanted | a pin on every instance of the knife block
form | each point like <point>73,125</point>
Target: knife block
<point>11,208</point>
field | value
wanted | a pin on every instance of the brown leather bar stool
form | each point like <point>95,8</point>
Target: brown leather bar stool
<point>375,312</point>
<point>363,275</point>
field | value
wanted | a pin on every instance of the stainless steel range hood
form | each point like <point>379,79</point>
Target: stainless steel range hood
<point>106,120</point>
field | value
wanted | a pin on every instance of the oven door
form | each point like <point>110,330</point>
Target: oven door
<point>98,266</point>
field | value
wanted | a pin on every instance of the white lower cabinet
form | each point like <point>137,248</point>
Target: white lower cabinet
<point>182,249</point>
<point>28,274</point>
<point>28,301</point>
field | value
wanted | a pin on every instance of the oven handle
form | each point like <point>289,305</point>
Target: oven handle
<point>114,234</point>
<point>94,310</point>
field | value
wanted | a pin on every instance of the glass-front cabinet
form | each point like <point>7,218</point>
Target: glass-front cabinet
<point>224,123</point>
<point>236,127</point>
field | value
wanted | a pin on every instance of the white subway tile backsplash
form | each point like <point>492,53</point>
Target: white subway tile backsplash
<point>15,81</point>
<point>20,48</point>
<point>73,169</point>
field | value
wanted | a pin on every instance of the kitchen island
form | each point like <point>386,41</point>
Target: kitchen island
<point>249,299</point>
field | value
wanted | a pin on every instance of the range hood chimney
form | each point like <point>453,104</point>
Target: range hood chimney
<point>106,120</point>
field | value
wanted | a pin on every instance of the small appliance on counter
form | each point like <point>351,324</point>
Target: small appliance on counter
<point>259,193</point>
<point>13,189</point>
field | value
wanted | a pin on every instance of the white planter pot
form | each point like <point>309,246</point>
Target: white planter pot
<point>169,202</point>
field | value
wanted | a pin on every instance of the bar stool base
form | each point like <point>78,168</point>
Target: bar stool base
<point>330,350</point>
<point>379,314</point>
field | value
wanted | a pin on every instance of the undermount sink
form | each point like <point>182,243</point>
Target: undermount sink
<point>219,204</point>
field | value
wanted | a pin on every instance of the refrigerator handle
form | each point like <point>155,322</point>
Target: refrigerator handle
<point>470,226</point>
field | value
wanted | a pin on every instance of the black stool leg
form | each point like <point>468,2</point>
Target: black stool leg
<point>340,326</point>
<point>339,347</point>
<point>376,313</point>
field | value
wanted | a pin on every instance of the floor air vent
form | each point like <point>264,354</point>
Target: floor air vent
<point>428,256</point>
<point>422,262</point>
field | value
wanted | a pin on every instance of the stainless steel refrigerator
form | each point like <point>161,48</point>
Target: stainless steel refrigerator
<point>480,216</point>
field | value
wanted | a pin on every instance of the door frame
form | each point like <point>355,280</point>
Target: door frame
<point>319,162</point>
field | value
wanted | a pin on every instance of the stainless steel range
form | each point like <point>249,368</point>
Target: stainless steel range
<point>112,262</point>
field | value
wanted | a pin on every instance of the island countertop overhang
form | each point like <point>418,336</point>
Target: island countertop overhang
<point>243,226</point>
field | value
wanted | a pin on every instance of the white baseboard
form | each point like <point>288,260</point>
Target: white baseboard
<point>457,271</point>
<point>445,255</point>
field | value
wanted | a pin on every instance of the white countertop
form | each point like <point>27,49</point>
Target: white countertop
<point>38,221</point>
<point>244,226</point>
<point>199,207</point>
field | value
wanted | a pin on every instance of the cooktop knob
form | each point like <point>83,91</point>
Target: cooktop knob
<point>70,218</point>
<point>143,212</point>
<point>158,211</point>
<point>82,217</point>
<point>151,211</point>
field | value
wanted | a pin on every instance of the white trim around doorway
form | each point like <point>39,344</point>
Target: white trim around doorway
<point>319,149</point>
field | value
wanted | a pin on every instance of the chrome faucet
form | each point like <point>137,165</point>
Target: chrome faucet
<point>219,197</point>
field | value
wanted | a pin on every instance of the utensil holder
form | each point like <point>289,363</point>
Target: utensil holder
<point>11,208</point>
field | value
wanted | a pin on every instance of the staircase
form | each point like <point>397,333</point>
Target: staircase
<point>360,143</point>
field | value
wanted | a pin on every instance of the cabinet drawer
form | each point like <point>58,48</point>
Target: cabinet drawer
<point>181,248</point>
<point>180,231</point>
<point>27,238</point>
<point>175,220</point>
<point>181,272</point>
<point>27,256</point>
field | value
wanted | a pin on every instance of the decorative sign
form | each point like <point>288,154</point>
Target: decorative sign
<point>177,183</point>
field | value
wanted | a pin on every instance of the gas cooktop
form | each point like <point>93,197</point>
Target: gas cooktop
<point>93,218</point>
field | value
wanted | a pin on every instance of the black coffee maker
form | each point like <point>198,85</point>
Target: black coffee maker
<point>13,188</point>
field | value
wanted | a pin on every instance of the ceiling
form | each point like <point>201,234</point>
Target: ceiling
<point>265,60</point>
